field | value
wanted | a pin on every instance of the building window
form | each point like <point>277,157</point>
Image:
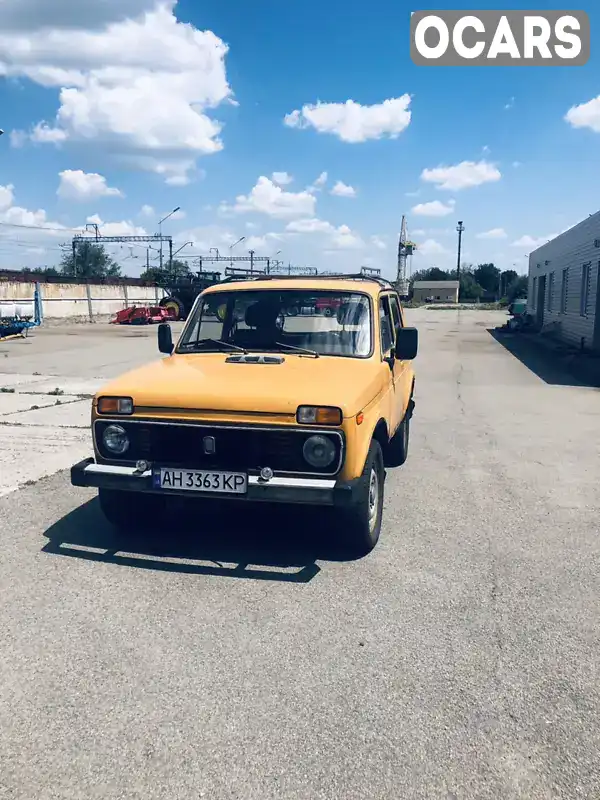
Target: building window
<point>564,291</point>
<point>550,291</point>
<point>586,275</point>
<point>534,294</point>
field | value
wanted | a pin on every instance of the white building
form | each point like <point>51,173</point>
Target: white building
<point>564,290</point>
<point>435,291</point>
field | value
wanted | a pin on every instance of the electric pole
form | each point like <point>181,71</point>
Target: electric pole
<point>460,229</point>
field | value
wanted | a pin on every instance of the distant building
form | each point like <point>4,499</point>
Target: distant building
<point>564,290</point>
<point>435,291</point>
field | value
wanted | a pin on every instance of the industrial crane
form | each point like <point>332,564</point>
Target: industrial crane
<point>405,250</point>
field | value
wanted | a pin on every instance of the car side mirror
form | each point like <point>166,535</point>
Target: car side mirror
<point>165,338</point>
<point>407,343</point>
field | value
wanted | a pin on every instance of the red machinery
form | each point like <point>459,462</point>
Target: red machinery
<point>142,315</point>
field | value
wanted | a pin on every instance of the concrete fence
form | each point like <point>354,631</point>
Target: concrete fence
<point>84,301</point>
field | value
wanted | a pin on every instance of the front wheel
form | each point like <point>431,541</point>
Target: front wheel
<point>361,522</point>
<point>130,512</point>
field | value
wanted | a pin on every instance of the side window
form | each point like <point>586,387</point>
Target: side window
<point>385,325</point>
<point>396,314</point>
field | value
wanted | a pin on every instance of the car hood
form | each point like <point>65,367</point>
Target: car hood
<point>208,382</point>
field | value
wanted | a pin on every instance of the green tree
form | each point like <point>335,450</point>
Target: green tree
<point>89,260</point>
<point>488,277</point>
<point>179,271</point>
<point>518,288</point>
<point>431,274</point>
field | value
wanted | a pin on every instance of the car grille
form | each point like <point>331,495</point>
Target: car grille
<point>243,449</point>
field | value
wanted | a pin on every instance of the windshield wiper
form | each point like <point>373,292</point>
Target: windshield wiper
<point>304,350</point>
<point>219,342</point>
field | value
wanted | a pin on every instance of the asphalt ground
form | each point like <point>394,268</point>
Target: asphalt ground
<point>242,657</point>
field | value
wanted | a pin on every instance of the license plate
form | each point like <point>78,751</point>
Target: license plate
<point>194,480</point>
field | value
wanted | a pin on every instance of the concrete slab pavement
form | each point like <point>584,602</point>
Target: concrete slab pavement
<point>46,384</point>
<point>240,659</point>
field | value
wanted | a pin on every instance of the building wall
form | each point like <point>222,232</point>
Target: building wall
<point>439,295</point>
<point>575,253</point>
<point>62,300</point>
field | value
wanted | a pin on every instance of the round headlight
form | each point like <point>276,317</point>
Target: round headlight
<point>319,451</point>
<point>115,439</point>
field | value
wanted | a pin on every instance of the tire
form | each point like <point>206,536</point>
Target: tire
<point>328,311</point>
<point>397,450</point>
<point>361,522</point>
<point>130,512</point>
<point>174,306</point>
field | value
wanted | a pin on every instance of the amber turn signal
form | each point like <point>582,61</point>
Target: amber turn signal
<point>319,415</point>
<point>115,405</point>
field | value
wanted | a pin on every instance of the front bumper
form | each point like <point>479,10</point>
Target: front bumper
<point>306,491</point>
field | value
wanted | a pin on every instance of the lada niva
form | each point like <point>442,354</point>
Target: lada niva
<point>257,404</point>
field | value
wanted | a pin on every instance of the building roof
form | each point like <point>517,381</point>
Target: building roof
<point>436,285</point>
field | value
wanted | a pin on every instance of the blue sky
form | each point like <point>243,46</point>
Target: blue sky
<point>146,108</point>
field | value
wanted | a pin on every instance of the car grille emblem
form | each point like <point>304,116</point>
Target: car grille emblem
<point>210,446</point>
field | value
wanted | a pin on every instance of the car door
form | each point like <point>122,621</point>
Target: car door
<point>402,369</point>
<point>386,324</point>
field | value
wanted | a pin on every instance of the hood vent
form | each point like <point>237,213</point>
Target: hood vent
<point>248,359</point>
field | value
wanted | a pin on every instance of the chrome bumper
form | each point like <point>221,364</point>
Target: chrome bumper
<point>311,491</point>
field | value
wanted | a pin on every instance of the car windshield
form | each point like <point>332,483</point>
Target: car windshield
<point>326,323</point>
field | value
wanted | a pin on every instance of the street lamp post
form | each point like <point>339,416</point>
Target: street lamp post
<point>460,229</point>
<point>170,214</point>
<point>231,246</point>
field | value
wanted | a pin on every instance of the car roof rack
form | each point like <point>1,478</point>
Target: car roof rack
<point>339,275</point>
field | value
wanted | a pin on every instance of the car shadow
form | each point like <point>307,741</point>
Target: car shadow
<point>269,543</point>
<point>554,366</point>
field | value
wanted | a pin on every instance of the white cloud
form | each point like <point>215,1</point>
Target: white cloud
<point>341,238</point>
<point>532,242</point>
<point>494,233</point>
<point>419,232</point>
<point>343,190</point>
<point>318,184</point>
<point>143,84</point>
<point>30,15</point>
<point>79,185</point>
<point>353,122</point>
<point>123,228</point>
<point>585,115</point>
<point>22,217</point>
<point>378,242</point>
<point>42,133</point>
<point>267,198</point>
<point>7,196</point>
<point>281,178</point>
<point>516,164</point>
<point>434,209</point>
<point>309,226</point>
<point>510,104</point>
<point>431,248</point>
<point>462,176</point>
<point>147,211</point>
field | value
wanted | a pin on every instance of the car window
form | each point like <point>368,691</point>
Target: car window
<point>327,322</point>
<point>385,324</point>
<point>396,314</point>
